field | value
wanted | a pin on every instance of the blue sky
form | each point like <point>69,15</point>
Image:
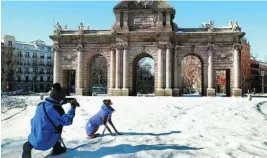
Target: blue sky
<point>31,20</point>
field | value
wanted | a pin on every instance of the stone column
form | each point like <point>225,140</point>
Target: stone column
<point>168,66</point>
<point>79,85</point>
<point>56,64</point>
<point>125,90</point>
<point>125,67</point>
<point>160,90</point>
<point>112,67</point>
<point>168,89</point>
<point>210,89</point>
<point>118,69</point>
<point>176,72</point>
<point>236,66</point>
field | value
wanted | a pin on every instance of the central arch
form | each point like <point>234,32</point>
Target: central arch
<point>192,75</point>
<point>143,74</point>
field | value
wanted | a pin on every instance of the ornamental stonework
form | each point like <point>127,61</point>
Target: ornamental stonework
<point>69,58</point>
<point>224,56</point>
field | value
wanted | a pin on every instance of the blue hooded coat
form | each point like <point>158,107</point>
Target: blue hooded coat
<point>97,118</point>
<point>43,134</point>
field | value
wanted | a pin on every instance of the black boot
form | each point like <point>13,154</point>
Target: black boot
<point>58,149</point>
<point>27,150</point>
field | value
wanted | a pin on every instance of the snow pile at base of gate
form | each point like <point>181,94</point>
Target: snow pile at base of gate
<point>155,127</point>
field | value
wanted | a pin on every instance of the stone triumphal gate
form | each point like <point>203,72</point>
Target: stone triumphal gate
<point>146,29</point>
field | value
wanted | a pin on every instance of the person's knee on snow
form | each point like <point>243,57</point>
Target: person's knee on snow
<point>48,121</point>
<point>27,149</point>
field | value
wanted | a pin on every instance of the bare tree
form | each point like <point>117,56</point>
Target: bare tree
<point>8,67</point>
<point>191,73</point>
<point>99,71</point>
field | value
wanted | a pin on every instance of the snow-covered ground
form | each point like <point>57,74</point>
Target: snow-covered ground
<point>156,127</point>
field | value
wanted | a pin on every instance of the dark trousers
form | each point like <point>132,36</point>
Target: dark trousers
<point>27,147</point>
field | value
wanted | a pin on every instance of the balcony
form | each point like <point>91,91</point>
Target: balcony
<point>48,57</point>
<point>42,57</point>
<point>35,56</point>
<point>27,56</point>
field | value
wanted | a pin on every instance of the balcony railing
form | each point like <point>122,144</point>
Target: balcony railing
<point>42,57</point>
<point>48,57</point>
<point>34,56</point>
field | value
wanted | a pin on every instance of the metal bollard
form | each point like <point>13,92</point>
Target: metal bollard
<point>249,97</point>
<point>42,97</point>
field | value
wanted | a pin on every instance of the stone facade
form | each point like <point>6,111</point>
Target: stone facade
<point>147,29</point>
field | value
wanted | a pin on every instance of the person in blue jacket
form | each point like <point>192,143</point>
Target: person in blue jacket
<point>47,124</point>
<point>101,118</point>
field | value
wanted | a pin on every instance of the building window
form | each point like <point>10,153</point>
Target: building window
<point>9,43</point>
<point>27,54</point>
<point>48,56</point>
<point>42,55</point>
<point>19,54</point>
<point>34,55</point>
<point>27,78</point>
<point>41,78</point>
<point>48,78</point>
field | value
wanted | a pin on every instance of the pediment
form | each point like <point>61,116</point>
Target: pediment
<point>141,4</point>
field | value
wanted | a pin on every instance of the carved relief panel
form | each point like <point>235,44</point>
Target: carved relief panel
<point>142,21</point>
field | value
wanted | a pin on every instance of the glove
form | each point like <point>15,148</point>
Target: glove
<point>74,104</point>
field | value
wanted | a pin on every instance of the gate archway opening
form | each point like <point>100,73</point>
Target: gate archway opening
<point>143,75</point>
<point>98,76</point>
<point>69,81</point>
<point>192,80</point>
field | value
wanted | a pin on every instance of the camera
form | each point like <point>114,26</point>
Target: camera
<point>70,100</point>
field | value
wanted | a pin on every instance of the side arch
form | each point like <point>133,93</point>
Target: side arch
<point>202,70</point>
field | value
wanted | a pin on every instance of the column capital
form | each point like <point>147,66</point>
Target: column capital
<point>169,46</point>
<point>112,47</point>
<point>119,46</point>
<point>177,47</point>
<point>210,46</point>
<point>56,47</point>
<point>79,48</point>
<point>237,46</point>
<point>126,46</point>
<point>161,46</point>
